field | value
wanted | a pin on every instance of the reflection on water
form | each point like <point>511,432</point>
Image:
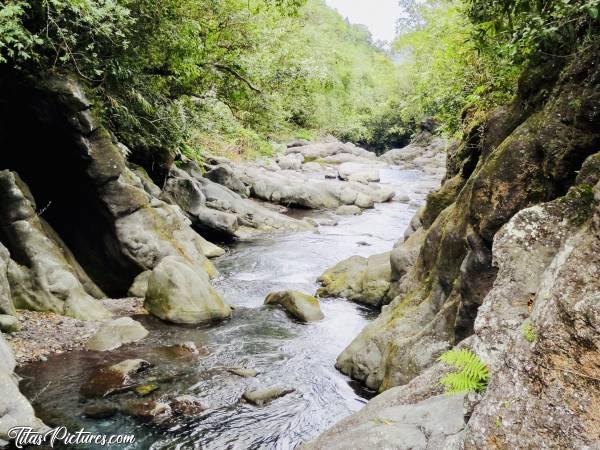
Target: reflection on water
<point>286,353</point>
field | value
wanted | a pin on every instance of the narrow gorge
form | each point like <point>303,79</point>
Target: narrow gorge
<point>237,225</point>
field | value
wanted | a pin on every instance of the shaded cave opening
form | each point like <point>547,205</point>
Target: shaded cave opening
<point>38,143</point>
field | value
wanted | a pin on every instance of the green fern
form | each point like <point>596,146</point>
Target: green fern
<point>472,374</point>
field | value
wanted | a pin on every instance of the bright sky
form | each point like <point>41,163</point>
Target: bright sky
<point>378,15</point>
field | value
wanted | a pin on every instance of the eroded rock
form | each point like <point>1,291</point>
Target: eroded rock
<point>297,304</point>
<point>176,293</point>
<point>261,397</point>
<point>116,333</point>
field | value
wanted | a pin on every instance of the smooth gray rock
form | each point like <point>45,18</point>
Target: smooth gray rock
<point>350,171</point>
<point>249,214</point>
<point>176,293</point>
<point>224,175</point>
<point>260,397</point>
<point>116,333</point>
<point>301,306</point>
<point>385,422</point>
<point>242,372</point>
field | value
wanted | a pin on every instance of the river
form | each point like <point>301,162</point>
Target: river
<point>286,353</point>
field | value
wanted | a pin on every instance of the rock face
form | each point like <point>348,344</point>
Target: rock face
<point>509,268</point>
<point>43,279</point>
<point>434,423</point>
<point>497,171</point>
<point>299,305</point>
<point>112,227</point>
<point>363,280</point>
<point>15,410</point>
<point>116,333</point>
<point>177,294</point>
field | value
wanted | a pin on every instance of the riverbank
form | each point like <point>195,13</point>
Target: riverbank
<point>43,334</point>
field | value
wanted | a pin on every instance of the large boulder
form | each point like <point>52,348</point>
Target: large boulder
<point>15,409</point>
<point>301,189</point>
<point>176,293</point>
<point>363,280</point>
<point>44,279</point>
<point>301,306</point>
<point>224,175</point>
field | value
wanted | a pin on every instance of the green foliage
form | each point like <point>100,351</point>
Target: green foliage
<point>529,331</point>
<point>444,73</point>
<point>521,29</point>
<point>472,374</point>
<point>174,74</point>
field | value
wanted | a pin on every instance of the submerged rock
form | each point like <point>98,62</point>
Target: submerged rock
<point>244,373</point>
<point>186,405</point>
<point>185,350</point>
<point>113,379</point>
<point>297,304</point>
<point>261,397</point>
<point>100,411</point>
<point>116,333</point>
<point>151,411</point>
<point>178,294</point>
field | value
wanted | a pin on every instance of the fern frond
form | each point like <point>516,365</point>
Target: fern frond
<point>472,374</point>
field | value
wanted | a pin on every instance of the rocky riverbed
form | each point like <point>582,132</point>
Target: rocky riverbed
<point>147,241</point>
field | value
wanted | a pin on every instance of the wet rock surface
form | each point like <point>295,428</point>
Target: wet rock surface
<point>178,294</point>
<point>261,397</point>
<point>299,305</point>
<point>115,333</point>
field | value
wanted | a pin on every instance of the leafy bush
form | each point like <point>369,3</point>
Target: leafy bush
<point>472,374</point>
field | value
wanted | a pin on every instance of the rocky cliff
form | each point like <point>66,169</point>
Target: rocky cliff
<point>506,263</point>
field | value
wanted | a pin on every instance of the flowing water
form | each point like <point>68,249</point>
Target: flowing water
<point>286,353</point>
